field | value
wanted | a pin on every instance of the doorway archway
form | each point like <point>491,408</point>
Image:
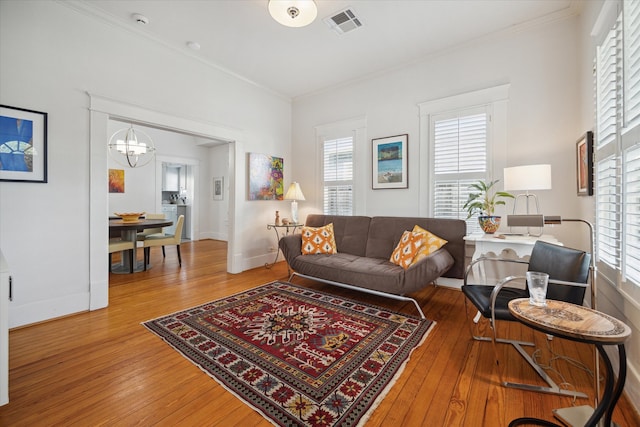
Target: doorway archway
<point>102,109</point>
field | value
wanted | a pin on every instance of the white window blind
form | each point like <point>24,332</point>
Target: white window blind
<point>632,213</point>
<point>608,212</point>
<point>338,176</point>
<point>631,33</point>
<point>459,159</point>
<point>607,89</point>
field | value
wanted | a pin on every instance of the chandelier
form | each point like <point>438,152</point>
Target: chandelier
<point>131,148</point>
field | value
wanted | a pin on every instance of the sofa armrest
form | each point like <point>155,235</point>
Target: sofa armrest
<point>427,270</point>
<point>291,246</point>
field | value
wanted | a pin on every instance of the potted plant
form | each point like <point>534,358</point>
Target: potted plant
<point>483,201</point>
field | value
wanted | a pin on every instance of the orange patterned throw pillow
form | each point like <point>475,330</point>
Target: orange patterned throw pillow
<point>318,240</point>
<point>431,244</point>
<point>407,248</point>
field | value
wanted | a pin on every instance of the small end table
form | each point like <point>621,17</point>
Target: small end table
<point>582,324</point>
<point>288,229</point>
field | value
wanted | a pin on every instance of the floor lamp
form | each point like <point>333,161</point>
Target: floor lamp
<point>578,415</point>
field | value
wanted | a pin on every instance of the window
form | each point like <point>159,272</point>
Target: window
<point>337,173</point>
<point>463,138</point>
<point>617,153</point>
<point>459,159</point>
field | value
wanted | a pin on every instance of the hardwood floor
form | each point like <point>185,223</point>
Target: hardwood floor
<point>104,368</point>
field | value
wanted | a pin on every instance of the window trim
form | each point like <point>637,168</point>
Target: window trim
<point>356,128</point>
<point>496,99</point>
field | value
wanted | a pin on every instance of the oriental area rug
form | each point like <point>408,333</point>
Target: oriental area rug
<point>298,356</point>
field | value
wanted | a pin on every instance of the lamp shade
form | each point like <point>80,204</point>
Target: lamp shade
<point>294,192</point>
<point>293,13</point>
<point>529,177</point>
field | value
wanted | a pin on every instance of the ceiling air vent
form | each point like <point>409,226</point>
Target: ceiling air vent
<point>343,21</point>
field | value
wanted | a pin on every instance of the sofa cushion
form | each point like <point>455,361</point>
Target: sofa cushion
<point>408,247</point>
<point>431,243</point>
<point>350,231</point>
<point>318,240</point>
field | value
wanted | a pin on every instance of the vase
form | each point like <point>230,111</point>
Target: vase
<point>489,223</point>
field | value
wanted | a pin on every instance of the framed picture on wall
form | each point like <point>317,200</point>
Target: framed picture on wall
<point>218,189</point>
<point>265,177</point>
<point>389,157</point>
<point>23,145</point>
<point>584,162</point>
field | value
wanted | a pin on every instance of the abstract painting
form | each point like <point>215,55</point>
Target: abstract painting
<point>116,180</point>
<point>265,177</point>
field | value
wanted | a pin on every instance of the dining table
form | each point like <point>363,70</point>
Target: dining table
<point>129,231</point>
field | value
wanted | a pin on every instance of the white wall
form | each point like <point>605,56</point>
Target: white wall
<point>543,125</point>
<point>45,228</point>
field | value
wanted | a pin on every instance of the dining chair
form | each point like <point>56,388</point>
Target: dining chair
<point>568,271</point>
<point>148,231</point>
<point>117,245</point>
<point>161,239</point>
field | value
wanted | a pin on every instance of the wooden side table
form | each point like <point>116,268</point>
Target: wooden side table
<point>288,229</point>
<point>582,324</point>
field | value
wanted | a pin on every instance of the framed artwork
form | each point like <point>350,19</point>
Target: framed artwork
<point>23,145</point>
<point>218,182</point>
<point>265,177</point>
<point>584,161</point>
<point>116,180</point>
<point>389,156</point>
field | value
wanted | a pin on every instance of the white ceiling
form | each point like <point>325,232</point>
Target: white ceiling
<point>240,37</point>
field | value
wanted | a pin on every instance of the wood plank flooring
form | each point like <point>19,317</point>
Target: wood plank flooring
<point>103,368</point>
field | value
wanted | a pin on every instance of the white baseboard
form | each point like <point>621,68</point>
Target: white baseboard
<point>26,314</point>
<point>449,283</point>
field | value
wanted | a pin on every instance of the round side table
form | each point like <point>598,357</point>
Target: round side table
<point>578,323</point>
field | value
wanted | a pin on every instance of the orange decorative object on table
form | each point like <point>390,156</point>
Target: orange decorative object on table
<point>129,216</point>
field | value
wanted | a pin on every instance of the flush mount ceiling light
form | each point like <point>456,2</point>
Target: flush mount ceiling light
<point>293,13</point>
<point>131,148</point>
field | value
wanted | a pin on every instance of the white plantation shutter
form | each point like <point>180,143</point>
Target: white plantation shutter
<point>632,214</point>
<point>608,210</point>
<point>459,159</point>
<point>338,176</point>
<point>607,90</point>
<point>631,33</point>
<point>617,174</point>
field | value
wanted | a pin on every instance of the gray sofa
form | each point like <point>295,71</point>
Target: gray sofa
<point>364,245</point>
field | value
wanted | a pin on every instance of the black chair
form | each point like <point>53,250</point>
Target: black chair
<point>568,271</point>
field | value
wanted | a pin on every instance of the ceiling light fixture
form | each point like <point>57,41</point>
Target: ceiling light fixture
<point>293,13</point>
<point>131,148</point>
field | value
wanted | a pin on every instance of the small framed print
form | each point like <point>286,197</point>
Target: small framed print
<point>584,162</point>
<point>218,188</point>
<point>389,158</point>
<point>23,145</point>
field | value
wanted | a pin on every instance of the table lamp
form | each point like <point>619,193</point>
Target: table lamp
<point>294,193</point>
<point>526,178</point>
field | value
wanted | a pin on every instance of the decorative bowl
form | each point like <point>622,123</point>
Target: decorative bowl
<point>130,216</point>
<point>489,224</point>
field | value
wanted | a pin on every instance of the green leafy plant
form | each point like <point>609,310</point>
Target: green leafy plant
<point>484,199</point>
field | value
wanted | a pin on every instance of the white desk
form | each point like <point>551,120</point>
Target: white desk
<point>510,247</point>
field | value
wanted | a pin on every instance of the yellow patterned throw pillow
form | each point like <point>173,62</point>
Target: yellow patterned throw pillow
<point>432,243</point>
<point>318,240</point>
<point>407,249</point>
